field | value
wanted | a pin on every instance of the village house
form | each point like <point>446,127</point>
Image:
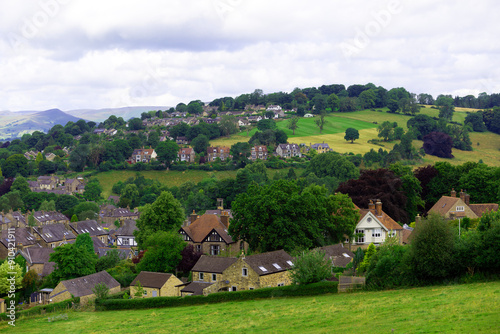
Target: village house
<point>48,182</point>
<point>186,154</point>
<point>53,235</point>
<point>338,255</point>
<point>50,156</point>
<point>182,140</point>
<point>110,213</point>
<point>38,259</point>
<point>142,155</point>
<point>92,227</point>
<point>125,234</point>
<point>156,285</point>
<point>453,207</point>
<point>193,288</point>
<point>218,152</point>
<point>74,185</point>
<point>321,148</point>
<point>375,226</point>
<point>23,239</point>
<point>258,152</point>
<point>244,273</point>
<point>243,122</point>
<point>288,150</point>
<point>47,217</point>
<point>82,287</point>
<point>208,234</point>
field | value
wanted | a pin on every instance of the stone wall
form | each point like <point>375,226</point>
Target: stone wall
<point>169,289</point>
<point>272,280</point>
<point>61,296</point>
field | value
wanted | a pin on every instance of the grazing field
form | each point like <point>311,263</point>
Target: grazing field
<point>471,308</point>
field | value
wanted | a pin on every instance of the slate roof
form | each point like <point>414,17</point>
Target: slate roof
<point>339,255</point>
<point>91,227</point>
<point>47,216</point>
<point>201,227</point>
<point>128,228</point>
<point>23,236</point>
<point>48,268</point>
<point>196,288</point>
<point>151,279</point>
<point>115,199</point>
<point>123,252</point>
<point>213,264</point>
<point>83,286</point>
<point>37,254</point>
<point>54,232</point>
<point>444,204</point>
<point>272,262</point>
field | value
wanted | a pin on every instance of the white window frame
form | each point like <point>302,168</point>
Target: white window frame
<point>244,272</point>
<point>214,277</point>
<point>200,276</point>
<point>360,239</point>
<point>460,208</point>
<point>376,233</point>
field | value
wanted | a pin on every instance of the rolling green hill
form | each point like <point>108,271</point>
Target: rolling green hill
<point>468,308</point>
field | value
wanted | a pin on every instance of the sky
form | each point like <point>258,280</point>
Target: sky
<point>79,54</point>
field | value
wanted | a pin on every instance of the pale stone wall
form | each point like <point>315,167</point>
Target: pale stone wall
<point>169,289</point>
<point>59,298</point>
<point>467,210</point>
<point>38,267</point>
<point>272,280</point>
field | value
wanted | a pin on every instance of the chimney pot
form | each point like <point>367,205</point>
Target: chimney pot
<point>453,193</point>
<point>378,207</point>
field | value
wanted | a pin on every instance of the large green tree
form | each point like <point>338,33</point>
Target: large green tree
<point>93,191</point>
<point>167,152</point>
<point>15,164</point>
<point>72,261</point>
<point>321,121</point>
<point>200,143</point>
<point>282,216</point>
<point>165,214</point>
<point>163,252</point>
<point>351,134</point>
<point>9,270</point>
<point>292,124</point>
<point>334,165</point>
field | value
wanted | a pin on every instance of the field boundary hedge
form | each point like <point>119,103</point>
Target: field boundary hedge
<point>61,306</point>
<point>220,297</point>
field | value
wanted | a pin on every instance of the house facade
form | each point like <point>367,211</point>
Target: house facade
<point>375,226</point>
<point>258,152</point>
<point>321,148</point>
<point>244,273</point>
<point>142,155</point>
<point>93,228</point>
<point>221,152</point>
<point>288,150</point>
<point>453,207</point>
<point>156,285</point>
<point>186,154</point>
<point>125,234</point>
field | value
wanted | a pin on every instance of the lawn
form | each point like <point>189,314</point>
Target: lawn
<point>471,308</point>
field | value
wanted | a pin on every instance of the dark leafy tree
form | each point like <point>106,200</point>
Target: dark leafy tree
<point>167,152</point>
<point>333,165</point>
<point>15,164</point>
<point>438,144</point>
<point>72,261</point>
<point>351,134</point>
<point>163,252</point>
<point>265,124</point>
<point>200,144</point>
<point>189,258</point>
<point>380,184</point>
<point>476,122</point>
<point>321,121</point>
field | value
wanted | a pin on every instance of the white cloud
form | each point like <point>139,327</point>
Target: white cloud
<point>74,54</point>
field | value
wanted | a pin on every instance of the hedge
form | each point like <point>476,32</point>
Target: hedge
<point>285,291</point>
<point>61,306</point>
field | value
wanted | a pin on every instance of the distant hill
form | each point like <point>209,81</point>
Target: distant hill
<point>99,115</point>
<point>14,125</point>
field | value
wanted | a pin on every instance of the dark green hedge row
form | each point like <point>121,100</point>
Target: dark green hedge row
<point>285,291</point>
<point>61,306</point>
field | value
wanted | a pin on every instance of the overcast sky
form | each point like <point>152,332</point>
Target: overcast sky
<point>75,54</point>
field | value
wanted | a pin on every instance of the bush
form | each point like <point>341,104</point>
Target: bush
<point>284,291</point>
<point>61,306</point>
<point>311,267</point>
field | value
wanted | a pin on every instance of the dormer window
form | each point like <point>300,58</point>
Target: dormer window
<point>460,208</point>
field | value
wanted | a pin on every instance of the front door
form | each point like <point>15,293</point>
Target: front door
<point>155,293</point>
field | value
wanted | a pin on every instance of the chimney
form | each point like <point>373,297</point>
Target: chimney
<point>224,218</point>
<point>462,195</point>
<point>193,217</point>
<point>220,203</point>
<point>418,219</point>
<point>467,198</point>
<point>371,206</point>
<point>378,207</point>
<point>453,193</point>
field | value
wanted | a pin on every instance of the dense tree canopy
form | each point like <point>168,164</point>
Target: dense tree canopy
<point>334,165</point>
<point>290,218</point>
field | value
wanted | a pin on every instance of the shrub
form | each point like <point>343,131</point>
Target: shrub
<point>310,267</point>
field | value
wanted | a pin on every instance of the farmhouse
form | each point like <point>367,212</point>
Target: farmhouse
<point>453,207</point>
<point>82,287</point>
<point>156,285</point>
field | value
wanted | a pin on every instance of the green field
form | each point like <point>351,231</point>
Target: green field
<point>471,308</point>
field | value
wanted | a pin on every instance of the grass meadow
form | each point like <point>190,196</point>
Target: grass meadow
<point>468,308</point>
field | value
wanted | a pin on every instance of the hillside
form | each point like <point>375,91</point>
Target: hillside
<point>100,115</point>
<point>468,308</point>
<point>14,125</point>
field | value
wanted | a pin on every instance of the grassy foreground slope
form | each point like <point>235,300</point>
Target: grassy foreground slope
<point>472,308</point>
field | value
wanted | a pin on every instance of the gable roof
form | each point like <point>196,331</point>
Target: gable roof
<point>196,288</point>
<point>268,261</point>
<point>23,236</point>
<point>127,229</point>
<point>384,219</point>
<point>54,232</point>
<point>444,204</point>
<point>203,226</point>
<point>82,286</point>
<point>480,209</point>
<point>88,226</point>
<point>151,279</point>
<point>37,254</point>
<point>339,255</point>
<point>213,264</point>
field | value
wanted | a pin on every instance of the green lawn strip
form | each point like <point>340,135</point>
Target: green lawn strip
<point>470,308</point>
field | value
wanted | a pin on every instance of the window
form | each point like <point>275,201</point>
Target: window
<point>361,238</point>
<point>262,268</point>
<point>198,248</point>
<point>214,277</point>
<point>201,276</point>
<point>233,288</point>
<point>250,288</point>
<point>369,219</point>
<point>281,284</point>
<point>289,262</point>
<point>145,292</point>
<point>125,241</point>
<point>376,233</point>
<point>460,208</point>
<point>244,272</point>
<point>277,266</point>
<point>214,249</point>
